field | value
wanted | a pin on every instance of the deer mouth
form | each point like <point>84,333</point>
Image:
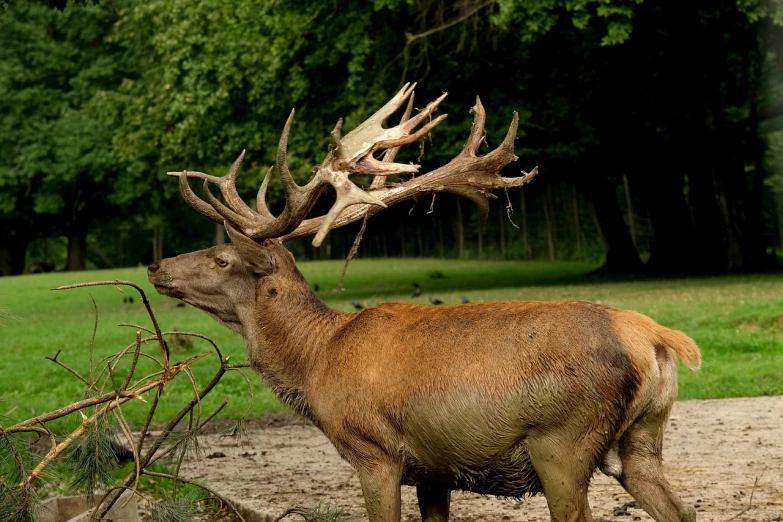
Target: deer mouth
<point>168,291</point>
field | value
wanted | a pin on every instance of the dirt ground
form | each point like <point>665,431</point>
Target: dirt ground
<point>714,452</point>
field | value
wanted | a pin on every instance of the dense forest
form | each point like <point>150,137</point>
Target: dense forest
<point>657,126</point>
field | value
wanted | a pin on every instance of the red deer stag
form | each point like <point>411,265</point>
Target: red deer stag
<point>506,399</point>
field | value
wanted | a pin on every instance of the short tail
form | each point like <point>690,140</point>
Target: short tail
<point>682,344</point>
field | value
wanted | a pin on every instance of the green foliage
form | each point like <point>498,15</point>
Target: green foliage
<point>94,458</point>
<point>757,10</point>
<point>99,100</point>
<point>18,504</point>
<point>534,18</point>
<point>179,509</point>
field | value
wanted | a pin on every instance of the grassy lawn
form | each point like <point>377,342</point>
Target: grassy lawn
<point>737,321</point>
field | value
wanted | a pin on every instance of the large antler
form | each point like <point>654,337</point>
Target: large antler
<point>466,175</point>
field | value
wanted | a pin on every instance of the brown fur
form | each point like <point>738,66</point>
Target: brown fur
<point>509,398</point>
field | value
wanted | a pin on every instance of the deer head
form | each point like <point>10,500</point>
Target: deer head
<point>226,281</point>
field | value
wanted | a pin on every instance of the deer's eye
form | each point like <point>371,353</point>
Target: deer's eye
<point>221,262</point>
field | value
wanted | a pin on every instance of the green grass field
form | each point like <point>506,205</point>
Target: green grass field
<point>737,321</point>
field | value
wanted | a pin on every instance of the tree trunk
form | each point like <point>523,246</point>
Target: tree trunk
<point>674,245</point>
<point>621,254</point>
<point>460,232</point>
<point>13,253</point>
<point>629,208</point>
<point>441,243</point>
<point>480,241</point>
<point>551,227</point>
<point>577,224</point>
<point>77,245</point>
<point>525,233</point>
<point>502,228</point>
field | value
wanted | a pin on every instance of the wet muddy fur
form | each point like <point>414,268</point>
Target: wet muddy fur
<point>507,399</point>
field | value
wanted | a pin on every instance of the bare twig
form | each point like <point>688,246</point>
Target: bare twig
<point>160,456</point>
<point>134,361</point>
<point>136,326</point>
<point>111,402</point>
<point>110,498</point>
<point>410,38</point>
<point>354,249</point>
<point>129,437</point>
<point>750,501</point>
<point>122,396</point>
<point>68,368</point>
<point>144,299</point>
<point>92,339</point>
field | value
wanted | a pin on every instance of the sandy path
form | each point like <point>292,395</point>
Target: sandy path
<point>714,450</point>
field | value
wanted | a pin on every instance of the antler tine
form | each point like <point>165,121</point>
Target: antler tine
<point>425,113</point>
<point>477,131</point>
<point>388,156</point>
<point>227,186</point>
<point>347,194</point>
<point>261,207</point>
<point>354,154</point>
<point>235,218</point>
<point>193,200</point>
<point>375,121</point>
<point>289,185</point>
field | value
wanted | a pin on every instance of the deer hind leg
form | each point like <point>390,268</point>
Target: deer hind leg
<point>433,503</point>
<point>565,475</point>
<point>381,487</point>
<point>642,471</point>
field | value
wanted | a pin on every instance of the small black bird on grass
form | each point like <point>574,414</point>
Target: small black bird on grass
<point>464,300</point>
<point>357,305</point>
<point>416,290</point>
<point>435,300</point>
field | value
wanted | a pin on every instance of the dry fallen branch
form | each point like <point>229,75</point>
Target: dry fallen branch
<point>98,379</point>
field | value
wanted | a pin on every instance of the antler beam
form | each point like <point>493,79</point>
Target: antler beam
<point>468,175</point>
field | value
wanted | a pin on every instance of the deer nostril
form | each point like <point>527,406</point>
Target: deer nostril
<point>152,269</point>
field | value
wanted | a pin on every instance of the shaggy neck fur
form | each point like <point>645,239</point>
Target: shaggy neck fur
<point>287,333</point>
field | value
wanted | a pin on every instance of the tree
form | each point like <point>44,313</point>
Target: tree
<point>57,173</point>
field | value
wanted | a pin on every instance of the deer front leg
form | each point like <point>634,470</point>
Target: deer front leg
<point>433,503</point>
<point>381,487</point>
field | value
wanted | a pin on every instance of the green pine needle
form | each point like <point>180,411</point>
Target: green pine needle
<point>16,507</point>
<point>186,443</point>
<point>94,459</point>
<point>181,509</point>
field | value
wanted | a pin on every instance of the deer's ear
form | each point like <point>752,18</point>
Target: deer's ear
<point>257,258</point>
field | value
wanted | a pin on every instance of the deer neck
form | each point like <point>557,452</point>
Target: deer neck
<point>287,334</point>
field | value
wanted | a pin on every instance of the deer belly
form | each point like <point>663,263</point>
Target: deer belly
<point>508,474</point>
<point>470,443</point>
